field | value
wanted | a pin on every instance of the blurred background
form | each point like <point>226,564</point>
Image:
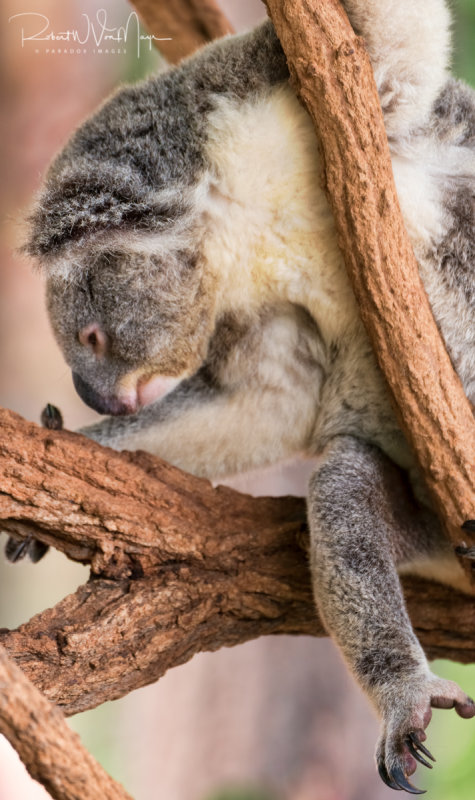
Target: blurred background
<point>275,719</point>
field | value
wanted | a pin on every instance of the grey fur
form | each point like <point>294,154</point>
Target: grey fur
<point>454,114</point>
<point>456,251</point>
<point>123,235</point>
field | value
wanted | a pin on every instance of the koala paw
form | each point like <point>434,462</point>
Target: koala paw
<point>400,747</point>
<point>17,549</point>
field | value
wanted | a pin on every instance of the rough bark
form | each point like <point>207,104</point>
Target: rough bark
<point>189,24</point>
<point>50,750</point>
<point>332,74</point>
<point>177,566</point>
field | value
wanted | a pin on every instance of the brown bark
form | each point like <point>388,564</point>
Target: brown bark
<point>189,23</point>
<point>50,750</point>
<point>332,74</point>
<point>177,567</point>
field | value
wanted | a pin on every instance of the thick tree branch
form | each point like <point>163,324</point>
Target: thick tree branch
<point>50,750</point>
<point>332,74</point>
<point>177,567</point>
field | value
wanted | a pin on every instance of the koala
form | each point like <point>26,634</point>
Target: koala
<point>196,288</point>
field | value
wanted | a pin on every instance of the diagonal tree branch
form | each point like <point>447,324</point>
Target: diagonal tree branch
<point>51,751</point>
<point>332,73</point>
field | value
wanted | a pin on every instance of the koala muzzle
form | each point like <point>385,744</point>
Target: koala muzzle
<point>101,404</point>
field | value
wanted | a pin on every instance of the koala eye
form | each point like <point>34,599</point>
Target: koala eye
<point>94,339</point>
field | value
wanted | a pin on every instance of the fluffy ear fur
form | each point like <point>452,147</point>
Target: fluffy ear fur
<point>88,198</point>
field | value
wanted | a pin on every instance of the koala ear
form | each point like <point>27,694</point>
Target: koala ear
<point>84,199</point>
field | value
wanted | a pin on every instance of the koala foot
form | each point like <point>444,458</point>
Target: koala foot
<point>400,747</point>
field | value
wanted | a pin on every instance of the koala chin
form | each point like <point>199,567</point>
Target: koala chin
<point>131,394</point>
<point>197,291</point>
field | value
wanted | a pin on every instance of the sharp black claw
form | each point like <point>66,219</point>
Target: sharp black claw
<point>398,776</point>
<point>412,749</point>
<point>417,743</point>
<point>37,550</point>
<point>51,418</point>
<point>383,774</point>
<point>15,550</point>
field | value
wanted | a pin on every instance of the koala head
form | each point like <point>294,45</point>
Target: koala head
<point>130,301</point>
<point>119,225</point>
<point>116,233</point>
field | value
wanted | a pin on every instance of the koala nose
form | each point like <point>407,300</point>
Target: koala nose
<point>94,338</point>
<point>101,404</point>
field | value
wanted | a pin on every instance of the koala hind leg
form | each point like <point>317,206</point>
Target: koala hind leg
<point>363,522</point>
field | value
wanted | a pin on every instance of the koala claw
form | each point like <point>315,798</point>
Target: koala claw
<point>415,745</point>
<point>395,777</point>
<point>16,551</point>
<point>383,773</point>
<point>401,781</point>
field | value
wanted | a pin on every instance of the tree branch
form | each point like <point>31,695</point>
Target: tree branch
<point>332,74</point>
<point>50,750</point>
<point>177,567</point>
<point>189,23</point>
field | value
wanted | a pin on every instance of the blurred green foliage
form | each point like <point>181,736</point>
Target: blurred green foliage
<point>136,67</point>
<point>464,60</point>
<point>452,741</point>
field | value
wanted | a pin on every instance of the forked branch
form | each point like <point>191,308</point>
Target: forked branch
<point>176,567</point>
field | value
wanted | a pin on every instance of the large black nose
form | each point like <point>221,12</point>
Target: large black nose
<point>101,404</point>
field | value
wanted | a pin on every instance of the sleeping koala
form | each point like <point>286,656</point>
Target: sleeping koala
<point>196,288</point>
